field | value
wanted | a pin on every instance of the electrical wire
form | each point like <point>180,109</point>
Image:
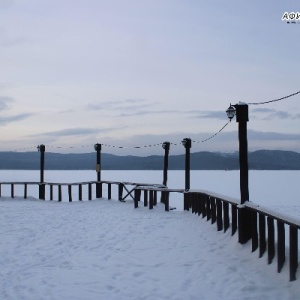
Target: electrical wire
<point>274,100</point>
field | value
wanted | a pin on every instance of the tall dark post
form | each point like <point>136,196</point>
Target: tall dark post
<point>166,146</point>
<point>187,143</point>
<point>244,215</point>
<point>98,170</point>
<point>41,149</point>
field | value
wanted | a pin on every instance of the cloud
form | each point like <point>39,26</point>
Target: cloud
<point>271,114</point>
<point>120,104</point>
<point>10,119</point>
<point>5,102</point>
<point>74,132</point>
<point>147,112</point>
<point>209,114</point>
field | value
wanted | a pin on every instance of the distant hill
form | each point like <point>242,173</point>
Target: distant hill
<point>258,160</point>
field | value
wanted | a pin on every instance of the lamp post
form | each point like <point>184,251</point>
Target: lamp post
<point>41,148</point>
<point>97,148</point>
<point>241,112</point>
<point>166,146</point>
<point>187,143</point>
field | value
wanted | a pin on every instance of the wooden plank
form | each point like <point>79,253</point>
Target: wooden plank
<point>226,215</point>
<point>271,239</point>
<point>262,235</point>
<point>233,219</point>
<point>70,192</point>
<point>293,252</point>
<point>109,191</point>
<point>280,245</point>
<point>254,231</point>
<point>219,215</point>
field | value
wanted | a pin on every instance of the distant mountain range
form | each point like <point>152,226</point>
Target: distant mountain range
<point>258,160</point>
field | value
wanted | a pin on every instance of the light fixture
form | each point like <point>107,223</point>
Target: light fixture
<point>231,112</point>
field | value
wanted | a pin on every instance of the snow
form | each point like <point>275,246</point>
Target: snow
<point>105,249</point>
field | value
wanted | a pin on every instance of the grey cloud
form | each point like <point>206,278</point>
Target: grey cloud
<point>75,132</point>
<point>4,102</point>
<point>19,117</point>
<point>271,114</point>
<point>119,105</point>
<point>146,112</point>
<point>209,114</point>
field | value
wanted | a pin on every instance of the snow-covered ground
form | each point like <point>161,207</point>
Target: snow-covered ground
<point>105,249</point>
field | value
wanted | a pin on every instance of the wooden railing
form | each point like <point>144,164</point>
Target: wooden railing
<point>226,212</point>
<point>125,189</point>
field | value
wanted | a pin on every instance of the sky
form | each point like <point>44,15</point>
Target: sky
<point>130,73</point>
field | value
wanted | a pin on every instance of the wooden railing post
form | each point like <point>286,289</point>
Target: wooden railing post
<point>271,239</point>
<point>280,245</point>
<point>59,193</point>
<point>151,200</point>
<point>51,191</point>
<point>254,232</point>
<point>12,190</point>
<point>70,192</point>
<point>120,191</point>
<point>293,252</point>
<point>90,191</point>
<point>262,235</point>
<point>137,197</point>
<point>145,198</point>
<point>80,192</point>
<point>109,191</point>
<point>25,191</point>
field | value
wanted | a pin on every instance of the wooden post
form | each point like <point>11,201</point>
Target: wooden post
<point>70,192</point>
<point>219,215</point>
<point>233,219</point>
<point>167,196</point>
<point>271,239</point>
<point>254,232</point>
<point>293,252</point>
<point>280,245</point>
<point>98,170</point>
<point>120,189</point>
<point>80,192</point>
<point>109,191</point>
<point>151,200</point>
<point>166,146</point>
<point>262,235</point>
<point>244,214</point>
<point>90,191</point>
<point>59,193</point>
<point>42,168</point>
<point>155,198</point>
<point>51,191</point>
<point>213,210</point>
<point>226,215</point>
<point>137,196</point>
<point>12,189</point>
<point>25,191</point>
<point>145,198</point>
<point>187,143</point>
